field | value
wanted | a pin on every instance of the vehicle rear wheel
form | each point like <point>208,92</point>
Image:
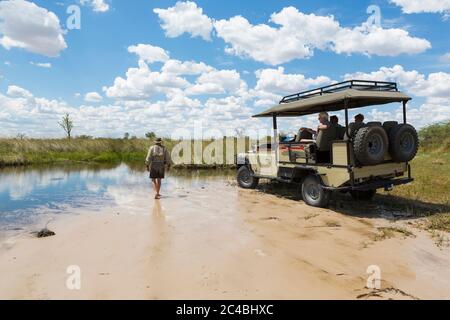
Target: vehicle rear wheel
<point>313,193</point>
<point>363,194</point>
<point>403,142</point>
<point>370,145</point>
<point>246,179</point>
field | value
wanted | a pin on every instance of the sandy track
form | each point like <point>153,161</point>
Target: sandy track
<point>220,242</point>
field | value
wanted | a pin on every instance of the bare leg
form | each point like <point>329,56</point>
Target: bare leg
<point>158,187</point>
<point>155,187</point>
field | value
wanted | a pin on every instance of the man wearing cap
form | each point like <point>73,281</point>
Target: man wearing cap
<point>157,158</point>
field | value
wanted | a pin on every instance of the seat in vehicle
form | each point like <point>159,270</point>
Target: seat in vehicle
<point>324,141</point>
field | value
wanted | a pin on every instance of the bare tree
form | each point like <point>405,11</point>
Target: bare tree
<point>21,136</point>
<point>67,125</point>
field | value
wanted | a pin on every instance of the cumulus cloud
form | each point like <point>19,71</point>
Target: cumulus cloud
<point>18,92</point>
<point>434,86</point>
<point>185,67</point>
<point>420,6</point>
<point>97,5</point>
<point>272,84</point>
<point>299,34</point>
<point>185,17</point>
<point>217,82</point>
<point>141,83</point>
<point>149,53</point>
<point>93,97</point>
<point>25,25</point>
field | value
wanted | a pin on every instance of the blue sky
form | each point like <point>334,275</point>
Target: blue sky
<point>322,41</point>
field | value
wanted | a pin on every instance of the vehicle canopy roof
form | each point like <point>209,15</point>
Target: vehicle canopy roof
<point>351,94</point>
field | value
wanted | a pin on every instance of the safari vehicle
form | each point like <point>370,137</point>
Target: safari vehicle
<point>355,158</point>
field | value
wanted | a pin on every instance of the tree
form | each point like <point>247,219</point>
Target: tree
<point>126,136</point>
<point>21,136</point>
<point>150,135</point>
<point>67,125</point>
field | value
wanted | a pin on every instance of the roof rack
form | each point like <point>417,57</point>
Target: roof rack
<point>350,84</point>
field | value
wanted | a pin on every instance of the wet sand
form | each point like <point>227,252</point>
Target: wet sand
<point>216,241</point>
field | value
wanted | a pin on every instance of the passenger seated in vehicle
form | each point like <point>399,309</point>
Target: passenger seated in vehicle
<point>326,133</point>
<point>355,126</point>
<point>303,134</point>
<point>340,130</point>
<point>335,121</point>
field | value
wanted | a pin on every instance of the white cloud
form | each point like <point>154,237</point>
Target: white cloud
<point>419,6</point>
<point>218,82</point>
<point>272,84</point>
<point>25,25</point>
<point>373,40</point>
<point>300,34</point>
<point>276,80</point>
<point>18,92</point>
<point>185,17</point>
<point>97,5</point>
<point>435,86</point>
<point>149,53</point>
<point>141,83</point>
<point>41,64</point>
<point>187,67</point>
<point>93,97</point>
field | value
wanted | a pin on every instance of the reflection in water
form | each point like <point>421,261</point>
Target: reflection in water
<point>28,193</point>
<point>157,211</point>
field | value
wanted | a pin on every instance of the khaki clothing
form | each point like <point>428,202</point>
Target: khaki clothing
<point>157,158</point>
<point>325,137</point>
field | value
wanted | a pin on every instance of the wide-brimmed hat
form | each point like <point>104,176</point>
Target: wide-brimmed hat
<point>158,140</point>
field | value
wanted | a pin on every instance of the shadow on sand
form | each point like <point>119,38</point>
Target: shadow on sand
<point>383,205</point>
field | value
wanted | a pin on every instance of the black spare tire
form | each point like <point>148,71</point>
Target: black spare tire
<point>246,178</point>
<point>370,145</point>
<point>403,142</point>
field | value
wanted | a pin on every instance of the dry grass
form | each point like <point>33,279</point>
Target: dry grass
<point>391,232</point>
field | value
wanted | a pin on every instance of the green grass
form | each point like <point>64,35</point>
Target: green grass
<point>430,168</point>
<point>14,152</point>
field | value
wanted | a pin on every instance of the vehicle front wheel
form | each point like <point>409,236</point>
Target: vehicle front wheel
<point>246,179</point>
<point>313,193</point>
<point>363,195</point>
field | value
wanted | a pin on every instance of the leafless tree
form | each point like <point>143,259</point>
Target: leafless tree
<point>67,125</point>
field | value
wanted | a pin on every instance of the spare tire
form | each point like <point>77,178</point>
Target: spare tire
<point>388,125</point>
<point>403,142</point>
<point>370,145</point>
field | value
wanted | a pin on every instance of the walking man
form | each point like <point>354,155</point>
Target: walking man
<point>157,159</point>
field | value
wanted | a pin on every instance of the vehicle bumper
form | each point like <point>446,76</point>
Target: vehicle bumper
<point>378,184</point>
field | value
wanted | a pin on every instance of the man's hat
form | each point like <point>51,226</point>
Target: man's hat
<point>158,140</point>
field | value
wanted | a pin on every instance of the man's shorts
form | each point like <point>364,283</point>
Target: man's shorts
<point>157,171</point>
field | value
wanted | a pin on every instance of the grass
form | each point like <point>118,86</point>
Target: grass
<point>14,152</point>
<point>430,168</point>
<point>391,232</point>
